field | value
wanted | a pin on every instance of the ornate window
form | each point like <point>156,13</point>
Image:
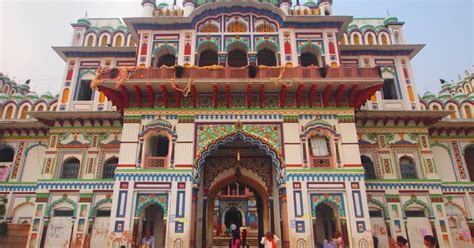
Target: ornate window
<point>356,40</point>
<point>9,112</point>
<point>266,57</point>
<point>389,90</point>
<point>237,58</point>
<point>210,28</point>
<point>368,167</point>
<point>24,112</point>
<point>208,57</point>
<point>90,40</point>
<point>469,159</point>
<point>109,168</point>
<point>407,168</point>
<point>237,27</point>
<point>104,41</point>
<point>370,39</point>
<point>468,112</point>
<point>70,169</point>
<point>157,151</point>
<point>265,28</point>
<point>319,146</point>
<point>453,113</point>
<point>6,154</point>
<point>84,90</point>
<point>118,41</point>
<point>384,39</point>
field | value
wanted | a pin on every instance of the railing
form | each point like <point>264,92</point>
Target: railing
<point>156,162</point>
<point>321,162</point>
<point>263,73</point>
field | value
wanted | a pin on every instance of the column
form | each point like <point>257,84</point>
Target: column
<point>222,59</point>
<point>193,216</point>
<point>284,217</point>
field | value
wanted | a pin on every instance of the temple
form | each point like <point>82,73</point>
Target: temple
<point>269,115</point>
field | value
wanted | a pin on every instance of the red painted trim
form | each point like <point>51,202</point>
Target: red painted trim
<point>261,97</point>
<point>339,95</point>
<point>214,95</point>
<point>352,165</point>
<point>312,95</point>
<point>194,95</point>
<point>164,92</point>
<point>248,97</point>
<point>294,165</point>
<point>183,165</point>
<point>283,95</point>
<point>299,95</point>
<point>227,95</point>
<point>138,96</point>
<point>126,165</point>
<point>151,96</point>
<point>327,95</point>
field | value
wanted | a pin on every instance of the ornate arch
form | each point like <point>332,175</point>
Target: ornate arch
<point>236,44</point>
<point>146,201</point>
<point>58,201</point>
<point>97,205</point>
<point>20,205</point>
<point>248,138</point>
<point>459,207</point>
<point>264,43</point>
<point>381,205</point>
<point>414,201</point>
<point>332,202</point>
<point>309,47</point>
<point>208,44</point>
<point>164,49</point>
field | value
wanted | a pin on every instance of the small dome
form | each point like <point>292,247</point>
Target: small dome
<point>24,86</point>
<point>17,96</point>
<point>162,5</point>
<point>310,4</point>
<point>32,96</point>
<point>390,20</point>
<point>84,21</point>
<point>366,27</point>
<point>428,96</point>
<point>444,95</point>
<point>459,96</point>
<point>47,96</point>
<point>3,97</point>
<point>352,26</point>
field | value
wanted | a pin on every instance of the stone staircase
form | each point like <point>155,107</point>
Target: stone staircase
<point>17,236</point>
<point>223,242</point>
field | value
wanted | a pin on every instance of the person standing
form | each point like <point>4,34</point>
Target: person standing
<point>270,240</point>
<point>244,238</point>
<point>235,241</point>
<point>148,241</point>
<point>402,242</point>
<point>337,239</point>
<point>429,241</point>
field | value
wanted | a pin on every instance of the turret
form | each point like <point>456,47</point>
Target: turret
<point>148,7</point>
<point>325,7</point>
<point>188,7</point>
<point>285,6</point>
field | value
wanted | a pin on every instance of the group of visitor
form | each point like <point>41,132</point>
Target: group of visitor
<point>335,242</point>
<point>269,240</point>
<point>428,240</point>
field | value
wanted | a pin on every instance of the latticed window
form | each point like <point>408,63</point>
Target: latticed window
<point>70,169</point>
<point>237,27</point>
<point>407,168</point>
<point>265,28</point>
<point>210,28</point>
<point>368,167</point>
<point>319,146</point>
<point>109,168</point>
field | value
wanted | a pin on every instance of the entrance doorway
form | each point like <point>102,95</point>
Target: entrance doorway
<point>151,219</point>
<point>326,224</point>
<point>238,187</point>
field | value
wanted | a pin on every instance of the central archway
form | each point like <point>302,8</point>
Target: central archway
<point>238,185</point>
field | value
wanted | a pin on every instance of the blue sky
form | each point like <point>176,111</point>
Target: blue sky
<point>28,29</point>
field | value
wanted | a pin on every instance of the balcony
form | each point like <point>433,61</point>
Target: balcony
<point>243,73</point>
<point>322,162</point>
<point>156,162</point>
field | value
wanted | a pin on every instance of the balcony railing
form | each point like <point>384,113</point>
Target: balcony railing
<point>262,73</point>
<point>156,162</point>
<point>322,162</point>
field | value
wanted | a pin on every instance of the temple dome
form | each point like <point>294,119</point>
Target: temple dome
<point>32,96</point>
<point>428,95</point>
<point>390,20</point>
<point>47,96</point>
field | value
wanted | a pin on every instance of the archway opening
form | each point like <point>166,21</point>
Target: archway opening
<point>6,154</point>
<point>152,220</point>
<point>208,57</point>
<point>238,182</point>
<point>326,223</point>
<point>266,57</point>
<point>237,58</point>
<point>469,159</point>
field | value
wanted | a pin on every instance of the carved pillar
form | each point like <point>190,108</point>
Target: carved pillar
<point>222,59</point>
<point>135,241</point>
<point>285,239</point>
<point>252,57</point>
<point>193,216</point>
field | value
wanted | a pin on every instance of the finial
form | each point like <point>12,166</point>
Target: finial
<point>388,13</point>
<point>85,15</point>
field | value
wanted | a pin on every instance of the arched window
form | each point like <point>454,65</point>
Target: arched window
<point>24,112</point>
<point>453,114</point>
<point>384,39</point>
<point>237,58</point>
<point>343,40</point>
<point>370,39</point>
<point>237,27</point>
<point>356,40</point>
<point>208,57</point>
<point>132,42</point>
<point>469,159</point>
<point>308,59</point>
<point>9,112</point>
<point>6,154</point>
<point>70,169</point>
<point>435,107</point>
<point>368,167</point>
<point>210,28</point>
<point>90,40</point>
<point>319,146</point>
<point>407,168</point>
<point>118,41</point>
<point>165,59</point>
<point>468,112</point>
<point>40,108</point>
<point>157,152</point>
<point>266,57</point>
<point>104,41</point>
<point>109,168</point>
<point>265,28</point>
